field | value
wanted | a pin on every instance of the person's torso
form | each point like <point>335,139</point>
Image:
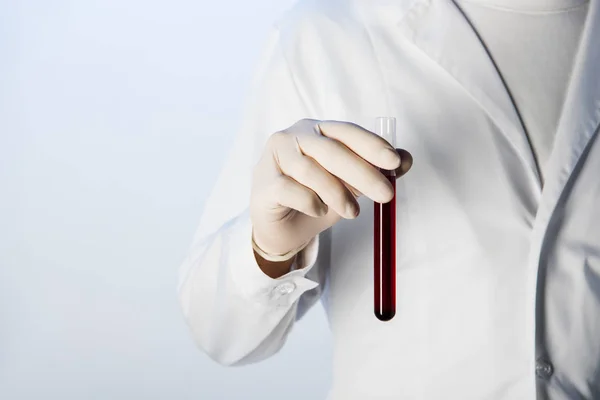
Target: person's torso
<point>498,278</point>
<point>534,44</point>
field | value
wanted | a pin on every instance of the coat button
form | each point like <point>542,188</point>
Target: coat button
<point>543,369</point>
<point>285,288</point>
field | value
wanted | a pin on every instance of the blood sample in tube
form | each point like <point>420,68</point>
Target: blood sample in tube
<point>384,271</point>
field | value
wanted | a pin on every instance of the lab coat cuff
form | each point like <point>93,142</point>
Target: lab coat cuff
<point>307,257</point>
<point>254,284</point>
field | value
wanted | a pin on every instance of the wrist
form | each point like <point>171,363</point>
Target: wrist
<point>274,269</point>
<point>275,265</point>
<point>273,257</point>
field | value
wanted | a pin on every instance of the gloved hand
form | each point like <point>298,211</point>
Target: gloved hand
<point>310,176</point>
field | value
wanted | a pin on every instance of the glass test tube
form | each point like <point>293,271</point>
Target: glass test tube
<point>385,236</point>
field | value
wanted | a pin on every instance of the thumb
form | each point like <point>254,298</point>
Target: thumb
<point>405,163</point>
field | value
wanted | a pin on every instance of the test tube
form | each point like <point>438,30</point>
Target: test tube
<point>385,236</point>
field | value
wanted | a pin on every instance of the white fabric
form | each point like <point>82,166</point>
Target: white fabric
<point>534,44</point>
<point>498,276</point>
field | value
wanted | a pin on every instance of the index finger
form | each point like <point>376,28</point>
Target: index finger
<point>366,144</point>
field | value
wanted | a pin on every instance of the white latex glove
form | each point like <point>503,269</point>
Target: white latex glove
<point>310,176</point>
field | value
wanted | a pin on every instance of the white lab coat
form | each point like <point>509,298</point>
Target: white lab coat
<point>498,275</point>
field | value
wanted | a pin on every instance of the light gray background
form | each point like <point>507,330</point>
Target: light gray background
<point>114,115</point>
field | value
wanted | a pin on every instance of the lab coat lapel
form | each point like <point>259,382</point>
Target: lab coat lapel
<point>580,119</point>
<point>440,30</point>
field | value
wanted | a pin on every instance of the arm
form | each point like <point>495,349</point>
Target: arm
<point>240,312</point>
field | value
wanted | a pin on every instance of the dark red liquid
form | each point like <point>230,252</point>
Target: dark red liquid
<point>385,256</point>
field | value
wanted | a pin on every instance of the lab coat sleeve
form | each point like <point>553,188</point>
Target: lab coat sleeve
<point>236,313</point>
